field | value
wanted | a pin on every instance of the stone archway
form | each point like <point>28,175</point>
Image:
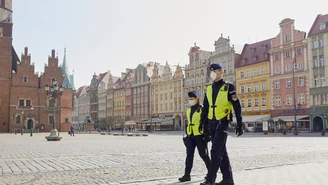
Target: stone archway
<point>29,122</point>
<point>177,122</point>
<point>317,124</point>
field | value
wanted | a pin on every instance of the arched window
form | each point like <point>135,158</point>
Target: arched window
<point>18,119</point>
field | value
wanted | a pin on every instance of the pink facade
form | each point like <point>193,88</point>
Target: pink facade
<point>289,49</point>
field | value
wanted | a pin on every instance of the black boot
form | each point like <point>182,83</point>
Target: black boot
<point>226,182</point>
<point>184,178</point>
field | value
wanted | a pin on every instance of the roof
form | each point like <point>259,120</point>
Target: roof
<point>255,53</point>
<point>79,91</point>
<point>237,58</point>
<point>101,76</point>
<point>315,28</point>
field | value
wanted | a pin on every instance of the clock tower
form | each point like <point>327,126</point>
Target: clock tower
<point>6,66</point>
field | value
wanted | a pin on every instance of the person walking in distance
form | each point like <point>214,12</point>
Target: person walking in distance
<point>195,136</point>
<point>220,99</point>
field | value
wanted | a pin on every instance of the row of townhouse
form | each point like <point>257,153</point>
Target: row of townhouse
<point>264,74</point>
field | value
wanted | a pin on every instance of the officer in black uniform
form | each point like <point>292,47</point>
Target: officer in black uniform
<point>220,99</point>
<point>195,136</point>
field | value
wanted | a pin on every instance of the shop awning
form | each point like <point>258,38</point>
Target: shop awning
<point>131,122</point>
<point>167,121</point>
<point>257,118</point>
<point>290,118</point>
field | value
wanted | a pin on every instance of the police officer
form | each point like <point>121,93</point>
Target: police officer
<point>220,99</point>
<point>195,136</point>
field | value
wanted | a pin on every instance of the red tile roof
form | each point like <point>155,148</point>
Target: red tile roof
<point>79,91</point>
<point>315,28</point>
<point>255,53</point>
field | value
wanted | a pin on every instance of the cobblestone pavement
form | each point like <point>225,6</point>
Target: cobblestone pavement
<point>156,159</point>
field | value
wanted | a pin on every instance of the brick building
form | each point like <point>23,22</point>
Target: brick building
<point>23,100</point>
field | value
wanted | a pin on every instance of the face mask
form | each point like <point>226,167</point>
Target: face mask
<point>192,102</point>
<point>213,75</point>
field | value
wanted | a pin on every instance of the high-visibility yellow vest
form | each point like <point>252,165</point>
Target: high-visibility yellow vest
<point>223,106</point>
<point>194,126</point>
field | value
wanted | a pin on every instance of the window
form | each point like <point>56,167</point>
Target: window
<point>18,119</point>
<point>301,98</point>
<point>66,120</point>
<point>256,102</point>
<point>249,103</point>
<point>277,69</point>
<point>256,88</point>
<point>288,83</point>
<point>322,26</point>
<point>277,84</point>
<point>25,79</point>
<point>248,73</point>
<point>277,100</point>
<point>300,66</point>
<point>21,103</point>
<point>249,88</point>
<point>321,43</point>
<point>277,56</point>
<point>241,74</point>
<point>28,103</point>
<point>255,72</point>
<point>322,62</point>
<point>287,38</point>
<point>262,71</point>
<point>301,81</point>
<point>53,81</point>
<point>288,67</point>
<point>263,101</point>
<point>288,99</point>
<point>316,81</point>
<point>299,51</point>
<point>242,103</point>
<point>315,61</point>
<point>287,54</point>
<point>242,89</point>
<point>263,86</point>
<point>322,80</point>
<point>51,119</point>
<point>314,44</point>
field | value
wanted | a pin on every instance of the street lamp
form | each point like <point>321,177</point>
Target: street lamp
<point>294,86</point>
<point>54,92</point>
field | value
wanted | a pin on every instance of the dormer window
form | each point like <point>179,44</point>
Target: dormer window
<point>322,26</point>
<point>25,79</point>
<point>253,49</point>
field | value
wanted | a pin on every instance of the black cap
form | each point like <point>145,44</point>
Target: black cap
<point>215,66</point>
<point>192,94</point>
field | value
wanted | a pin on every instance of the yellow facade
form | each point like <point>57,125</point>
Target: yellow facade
<point>253,88</point>
<point>119,102</point>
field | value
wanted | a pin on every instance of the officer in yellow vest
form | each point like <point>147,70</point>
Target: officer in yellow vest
<point>220,99</point>
<point>195,136</point>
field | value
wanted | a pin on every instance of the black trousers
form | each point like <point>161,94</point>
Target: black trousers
<point>219,155</point>
<point>191,143</point>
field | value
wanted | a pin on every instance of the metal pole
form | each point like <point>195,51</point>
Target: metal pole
<point>53,123</point>
<point>294,85</point>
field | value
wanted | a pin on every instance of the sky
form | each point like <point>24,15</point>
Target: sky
<point>102,35</point>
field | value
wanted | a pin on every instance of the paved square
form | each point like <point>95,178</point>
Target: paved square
<point>157,159</point>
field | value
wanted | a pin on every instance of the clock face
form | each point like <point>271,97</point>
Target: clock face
<point>3,14</point>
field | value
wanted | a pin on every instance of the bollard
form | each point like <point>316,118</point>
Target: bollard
<point>284,132</point>
<point>21,131</point>
<point>15,131</point>
<point>323,133</point>
<point>31,133</point>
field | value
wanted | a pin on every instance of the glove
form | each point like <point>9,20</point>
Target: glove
<point>239,130</point>
<point>207,138</point>
<point>200,128</point>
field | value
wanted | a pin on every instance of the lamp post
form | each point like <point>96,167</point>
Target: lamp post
<point>54,92</point>
<point>294,86</point>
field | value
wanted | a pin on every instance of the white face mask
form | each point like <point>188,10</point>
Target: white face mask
<point>192,102</point>
<point>213,75</point>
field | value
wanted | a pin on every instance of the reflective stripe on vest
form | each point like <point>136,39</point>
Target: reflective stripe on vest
<point>223,106</point>
<point>194,126</point>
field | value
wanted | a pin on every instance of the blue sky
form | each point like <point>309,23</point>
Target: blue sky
<point>102,35</point>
